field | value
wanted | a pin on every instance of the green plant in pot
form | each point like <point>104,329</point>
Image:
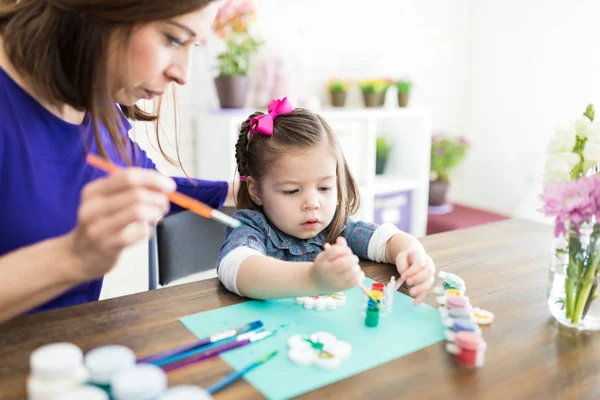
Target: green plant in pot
<point>446,154</point>
<point>232,26</point>
<point>383,148</point>
<point>403,87</point>
<point>374,91</point>
<point>338,90</point>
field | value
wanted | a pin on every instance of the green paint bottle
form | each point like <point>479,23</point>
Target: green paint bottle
<point>372,318</point>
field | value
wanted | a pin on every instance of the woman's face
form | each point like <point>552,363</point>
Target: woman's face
<point>157,54</point>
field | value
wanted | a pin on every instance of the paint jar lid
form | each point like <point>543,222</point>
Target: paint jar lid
<point>464,324</point>
<point>185,392</point>
<point>41,387</point>
<point>468,340</point>
<point>377,286</point>
<point>84,392</point>
<point>106,361</point>
<point>56,360</point>
<point>457,302</point>
<point>141,382</point>
<point>451,278</point>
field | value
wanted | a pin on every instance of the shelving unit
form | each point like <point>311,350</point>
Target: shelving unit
<point>405,182</point>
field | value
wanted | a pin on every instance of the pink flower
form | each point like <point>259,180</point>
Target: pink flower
<point>573,201</point>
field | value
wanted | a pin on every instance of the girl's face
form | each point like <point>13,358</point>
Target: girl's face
<point>299,193</point>
<point>157,54</point>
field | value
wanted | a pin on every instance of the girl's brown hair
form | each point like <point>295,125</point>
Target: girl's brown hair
<point>300,130</point>
<point>61,47</point>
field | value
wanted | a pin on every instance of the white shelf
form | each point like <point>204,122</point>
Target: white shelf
<point>390,184</point>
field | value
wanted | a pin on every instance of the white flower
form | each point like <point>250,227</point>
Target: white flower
<point>591,155</point>
<point>582,127</point>
<point>563,141</point>
<point>559,166</point>
<point>593,133</point>
<point>321,348</point>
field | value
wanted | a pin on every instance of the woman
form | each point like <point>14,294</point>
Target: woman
<point>71,72</point>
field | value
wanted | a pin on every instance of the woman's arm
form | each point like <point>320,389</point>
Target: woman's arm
<point>35,274</point>
<point>115,212</point>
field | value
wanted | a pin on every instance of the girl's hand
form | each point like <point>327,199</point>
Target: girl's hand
<point>417,269</point>
<point>336,268</point>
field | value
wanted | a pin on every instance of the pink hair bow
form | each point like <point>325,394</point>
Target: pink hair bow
<point>264,123</point>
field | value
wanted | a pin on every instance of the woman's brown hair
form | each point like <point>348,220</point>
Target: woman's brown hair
<point>299,131</point>
<point>61,47</point>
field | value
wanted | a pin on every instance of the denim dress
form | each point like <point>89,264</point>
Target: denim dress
<point>258,234</point>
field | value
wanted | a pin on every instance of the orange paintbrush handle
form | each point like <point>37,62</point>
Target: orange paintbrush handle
<point>191,204</point>
<point>100,163</point>
<point>178,198</point>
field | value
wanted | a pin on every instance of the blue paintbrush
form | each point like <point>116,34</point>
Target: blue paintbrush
<point>218,337</point>
<point>229,379</point>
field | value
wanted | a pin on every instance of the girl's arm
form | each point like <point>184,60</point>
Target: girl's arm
<point>262,277</point>
<point>400,242</point>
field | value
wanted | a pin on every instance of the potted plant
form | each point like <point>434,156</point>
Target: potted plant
<point>232,25</point>
<point>374,91</point>
<point>383,149</point>
<point>403,87</point>
<point>446,154</point>
<point>338,90</point>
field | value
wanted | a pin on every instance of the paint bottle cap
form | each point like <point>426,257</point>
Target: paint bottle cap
<point>451,278</point>
<point>464,324</point>
<point>468,340</point>
<point>84,392</point>
<point>457,302</point>
<point>185,392</point>
<point>483,317</point>
<point>104,362</point>
<point>141,382</point>
<point>377,286</point>
<point>40,387</point>
<point>56,360</point>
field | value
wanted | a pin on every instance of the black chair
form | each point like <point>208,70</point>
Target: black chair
<point>184,244</point>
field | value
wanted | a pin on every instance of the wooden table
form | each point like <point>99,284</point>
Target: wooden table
<point>505,266</point>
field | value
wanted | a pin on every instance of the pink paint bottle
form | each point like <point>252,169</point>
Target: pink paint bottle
<point>468,348</point>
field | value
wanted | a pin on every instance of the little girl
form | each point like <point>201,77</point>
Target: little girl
<point>296,195</point>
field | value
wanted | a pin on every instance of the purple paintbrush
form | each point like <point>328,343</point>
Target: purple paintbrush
<point>215,351</point>
<point>217,337</point>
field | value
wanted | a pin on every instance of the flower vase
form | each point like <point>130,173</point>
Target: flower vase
<point>573,278</point>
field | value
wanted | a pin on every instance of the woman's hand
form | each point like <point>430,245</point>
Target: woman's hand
<point>116,212</point>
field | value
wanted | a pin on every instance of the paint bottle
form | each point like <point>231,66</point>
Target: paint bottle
<point>84,392</point>
<point>56,369</point>
<point>468,348</point>
<point>140,382</point>
<point>103,363</point>
<point>185,392</point>
<point>372,317</point>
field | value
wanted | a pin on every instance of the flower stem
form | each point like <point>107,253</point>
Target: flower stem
<point>569,298</point>
<point>584,292</point>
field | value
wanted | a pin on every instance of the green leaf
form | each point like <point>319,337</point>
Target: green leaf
<point>589,112</point>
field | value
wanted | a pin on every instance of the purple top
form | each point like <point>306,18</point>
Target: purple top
<point>44,170</point>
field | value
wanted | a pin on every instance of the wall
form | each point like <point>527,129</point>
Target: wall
<point>533,65</point>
